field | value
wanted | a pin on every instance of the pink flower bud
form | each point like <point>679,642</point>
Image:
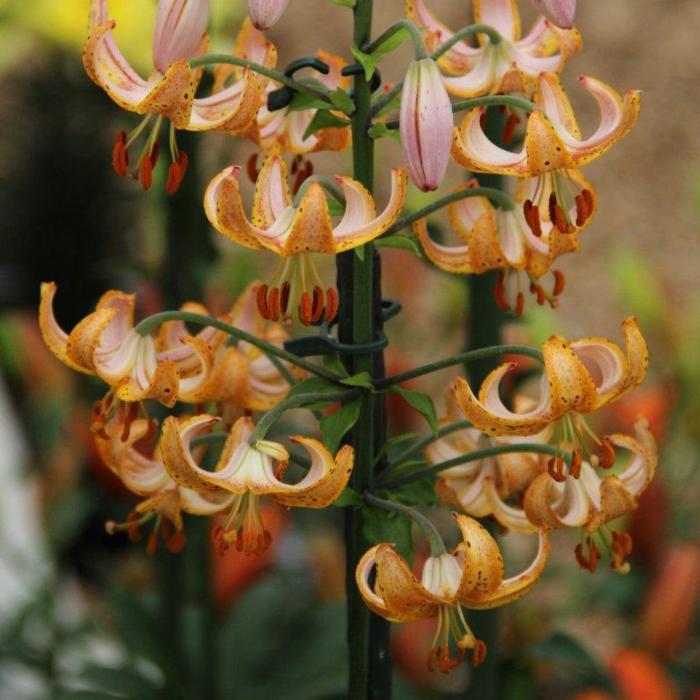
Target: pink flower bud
<point>265,13</point>
<point>425,123</point>
<point>180,26</point>
<point>559,12</point>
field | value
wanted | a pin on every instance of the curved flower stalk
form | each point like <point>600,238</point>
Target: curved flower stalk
<point>579,377</point>
<point>249,472</point>
<point>106,344</point>
<point>513,64</point>
<point>498,239</point>
<point>295,229</point>
<point>559,12</point>
<point>284,128</point>
<point>471,576</point>
<point>141,470</point>
<point>169,92</point>
<point>425,124</point>
<point>553,149</point>
<point>265,13</point>
<point>481,488</point>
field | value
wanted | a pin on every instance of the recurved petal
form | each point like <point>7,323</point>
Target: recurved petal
<point>641,467</point>
<point>272,196</point>
<point>310,229</point>
<point>364,570</point>
<point>502,15</point>
<point>516,586</point>
<point>325,480</point>
<point>179,29</point>
<point>455,259</point>
<point>357,227</point>
<point>546,148</point>
<point>513,518</point>
<point>480,557</point>
<point>204,503</point>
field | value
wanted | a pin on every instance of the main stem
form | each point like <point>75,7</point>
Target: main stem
<point>359,286</point>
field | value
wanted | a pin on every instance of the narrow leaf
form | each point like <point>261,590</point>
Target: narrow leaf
<point>337,424</point>
<point>421,403</point>
<point>323,119</point>
<point>379,130</point>
<point>342,101</point>
<point>349,497</point>
<point>362,379</point>
<point>400,242</point>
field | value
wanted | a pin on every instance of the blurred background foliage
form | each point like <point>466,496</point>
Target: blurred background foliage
<point>85,615</point>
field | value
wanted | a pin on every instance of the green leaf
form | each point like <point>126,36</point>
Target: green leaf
<point>334,364</point>
<point>314,385</point>
<point>421,403</point>
<point>323,119</point>
<point>362,379</point>
<point>401,242</point>
<point>368,61</point>
<point>303,101</point>
<point>420,492</point>
<point>335,208</point>
<point>391,443</point>
<point>360,252</point>
<point>393,104</point>
<point>344,3</point>
<point>337,424</point>
<point>379,130</point>
<point>342,101</point>
<point>380,525</point>
<point>349,497</point>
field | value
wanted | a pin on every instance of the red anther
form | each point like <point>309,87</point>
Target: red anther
<point>284,297</point>
<point>146,172</point>
<point>316,304</point>
<point>589,562</point>
<point>261,299</point>
<point>519,304</point>
<point>309,168</point>
<point>509,129</point>
<point>499,292</point>
<point>483,120</point>
<point>175,542</point>
<point>273,304</point>
<point>478,653</point>
<point>176,173</point>
<point>305,308</point>
<point>560,220</point>
<point>622,541</point>
<point>218,540</point>
<point>296,161</point>
<point>251,167</point>
<point>539,293</point>
<point>607,453</point>
<point>152,546</point>
<point>130,414</point>
<point>532,217</point>
<point>332,304</point>
<point>552,204</point>
<point>580,210</point>
<point>298,181</point>
<point>588,198</point>
<point>576,462</point>
<point>555,467</point>
<point>120,154</point>
<point>559,282</point>
<point>133,532</point>
<point>151,430</point>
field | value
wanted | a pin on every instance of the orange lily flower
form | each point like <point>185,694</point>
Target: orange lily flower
<point>251,471</point>
<point>106,344</point>
<point>509,66</point>
<point>471,576</point>
<point>143,473</point>
<point>170,91</point>
<point>294,230</point>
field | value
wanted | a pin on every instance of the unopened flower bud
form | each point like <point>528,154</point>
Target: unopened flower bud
<point>265,13</point>
<point>425,124</point>
<point>559,12</point>
<point>180,26</point>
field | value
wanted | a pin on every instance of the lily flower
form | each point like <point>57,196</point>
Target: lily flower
<point>106,344</point>
<point>251,471</point>
<point>294,229</point>
<point>512,65</point>
<point>471,576</point>
<point>169,93</point>
<point>579,377</point>
<point>559,12</point>
<point>588,501</point>
<point>552,150</point>
<point>524,250</point>
<point>141,470</point>
<point>265,13</point>
<point>425,124</point>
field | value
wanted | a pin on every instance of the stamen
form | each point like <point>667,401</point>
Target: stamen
<point>519,304</point>
<point>332,304</point>
<point>273,304</point>
<point>555,467</point>
<point>559,282</point>
<point>305,309</point>
<point>176,173</point>
<point>589,562</point>
<point>576,462</point>
<point>152,546</point>
<point>130,411</point>
<point>284,297</point>
<point>316,304</point>
<point>541,296</point>
<point>120,155</point>
<point>251,168</point>
<point>531,213</point>
<point>607,457</point>
<point>499,292</point>
<point>509,129</point>
<point>261,299</point>
<point>478,653</point>
<point>148,162</point>
<point>622,547</point>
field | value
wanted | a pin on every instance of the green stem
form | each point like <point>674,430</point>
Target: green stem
<point>402,25</point>
<point>494,100</point>
<point>462,358</point>
<point>148,324</point>
<point>271,416</point>
<point>497,196</point>
<point>437,546</point>
<point>216,58</point>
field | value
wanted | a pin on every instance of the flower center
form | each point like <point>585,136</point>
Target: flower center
<point>510,283</point>
<point>618,546</point>
<point>173,538</point>
<point>243,528</point>
<point>452,627</point>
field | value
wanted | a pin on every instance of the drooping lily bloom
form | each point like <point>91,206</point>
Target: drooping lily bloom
<point>425,124</point>
<point>251,471</point>
<point>141,470</point>
<point>499,239</point>
<point>105,343</point>
<point>552,150</point>
<point>509,66</point>
<point>471,576</point>
<point>579,377</point>
<point>294,229</point>
<point>559,12</point>
<point>588,501</point>
<point>265,13</point>
<point>179,35</point>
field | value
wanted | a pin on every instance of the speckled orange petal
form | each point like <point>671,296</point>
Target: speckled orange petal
<point>455,259</point>
<point>485,244</point>
<point>637,354</point>
<point>272,195</point>
<point>166,503</point>
<point>228,381</point>
<point>482,564</point>
<point>163,386</point>
<point>615,500</point>
<point>552,99</point>
<point>362,575</point>
<point>545,149</point>
<point>85,338</point>
<point>516,586</point>
<point>325,480</point>
<point>189,386</point>
<point>311,230</point>
<point>537,503</point>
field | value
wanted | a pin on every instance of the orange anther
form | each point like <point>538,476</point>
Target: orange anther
<point>176,541</point>
<point>332,304</point>
<point>531,213</point>
<point>560,220</point>
<point>284,297</point>
<point>539,293</point>
<point>555,467</point>
<point>152,546</point>
<point>509,129</point>
<point>590,561</point>
<point>607,453</point>
<point>559,282</point>
<point>519,304</point>
<point>478,653</point>
<point>120,154</point>
<point>317,304</point>
<point>305,309</point>
<point>273,304</point>
<point>261,299</point>
<point>251,167</point>
<point>576,462</point>
<point>176,173</point>
<point>499,292</point>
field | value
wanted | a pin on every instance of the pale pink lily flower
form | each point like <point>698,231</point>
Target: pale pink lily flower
<point>265,13</point>
<point>559,12</point>
<point>425,124</point>
<point>180,26</point>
